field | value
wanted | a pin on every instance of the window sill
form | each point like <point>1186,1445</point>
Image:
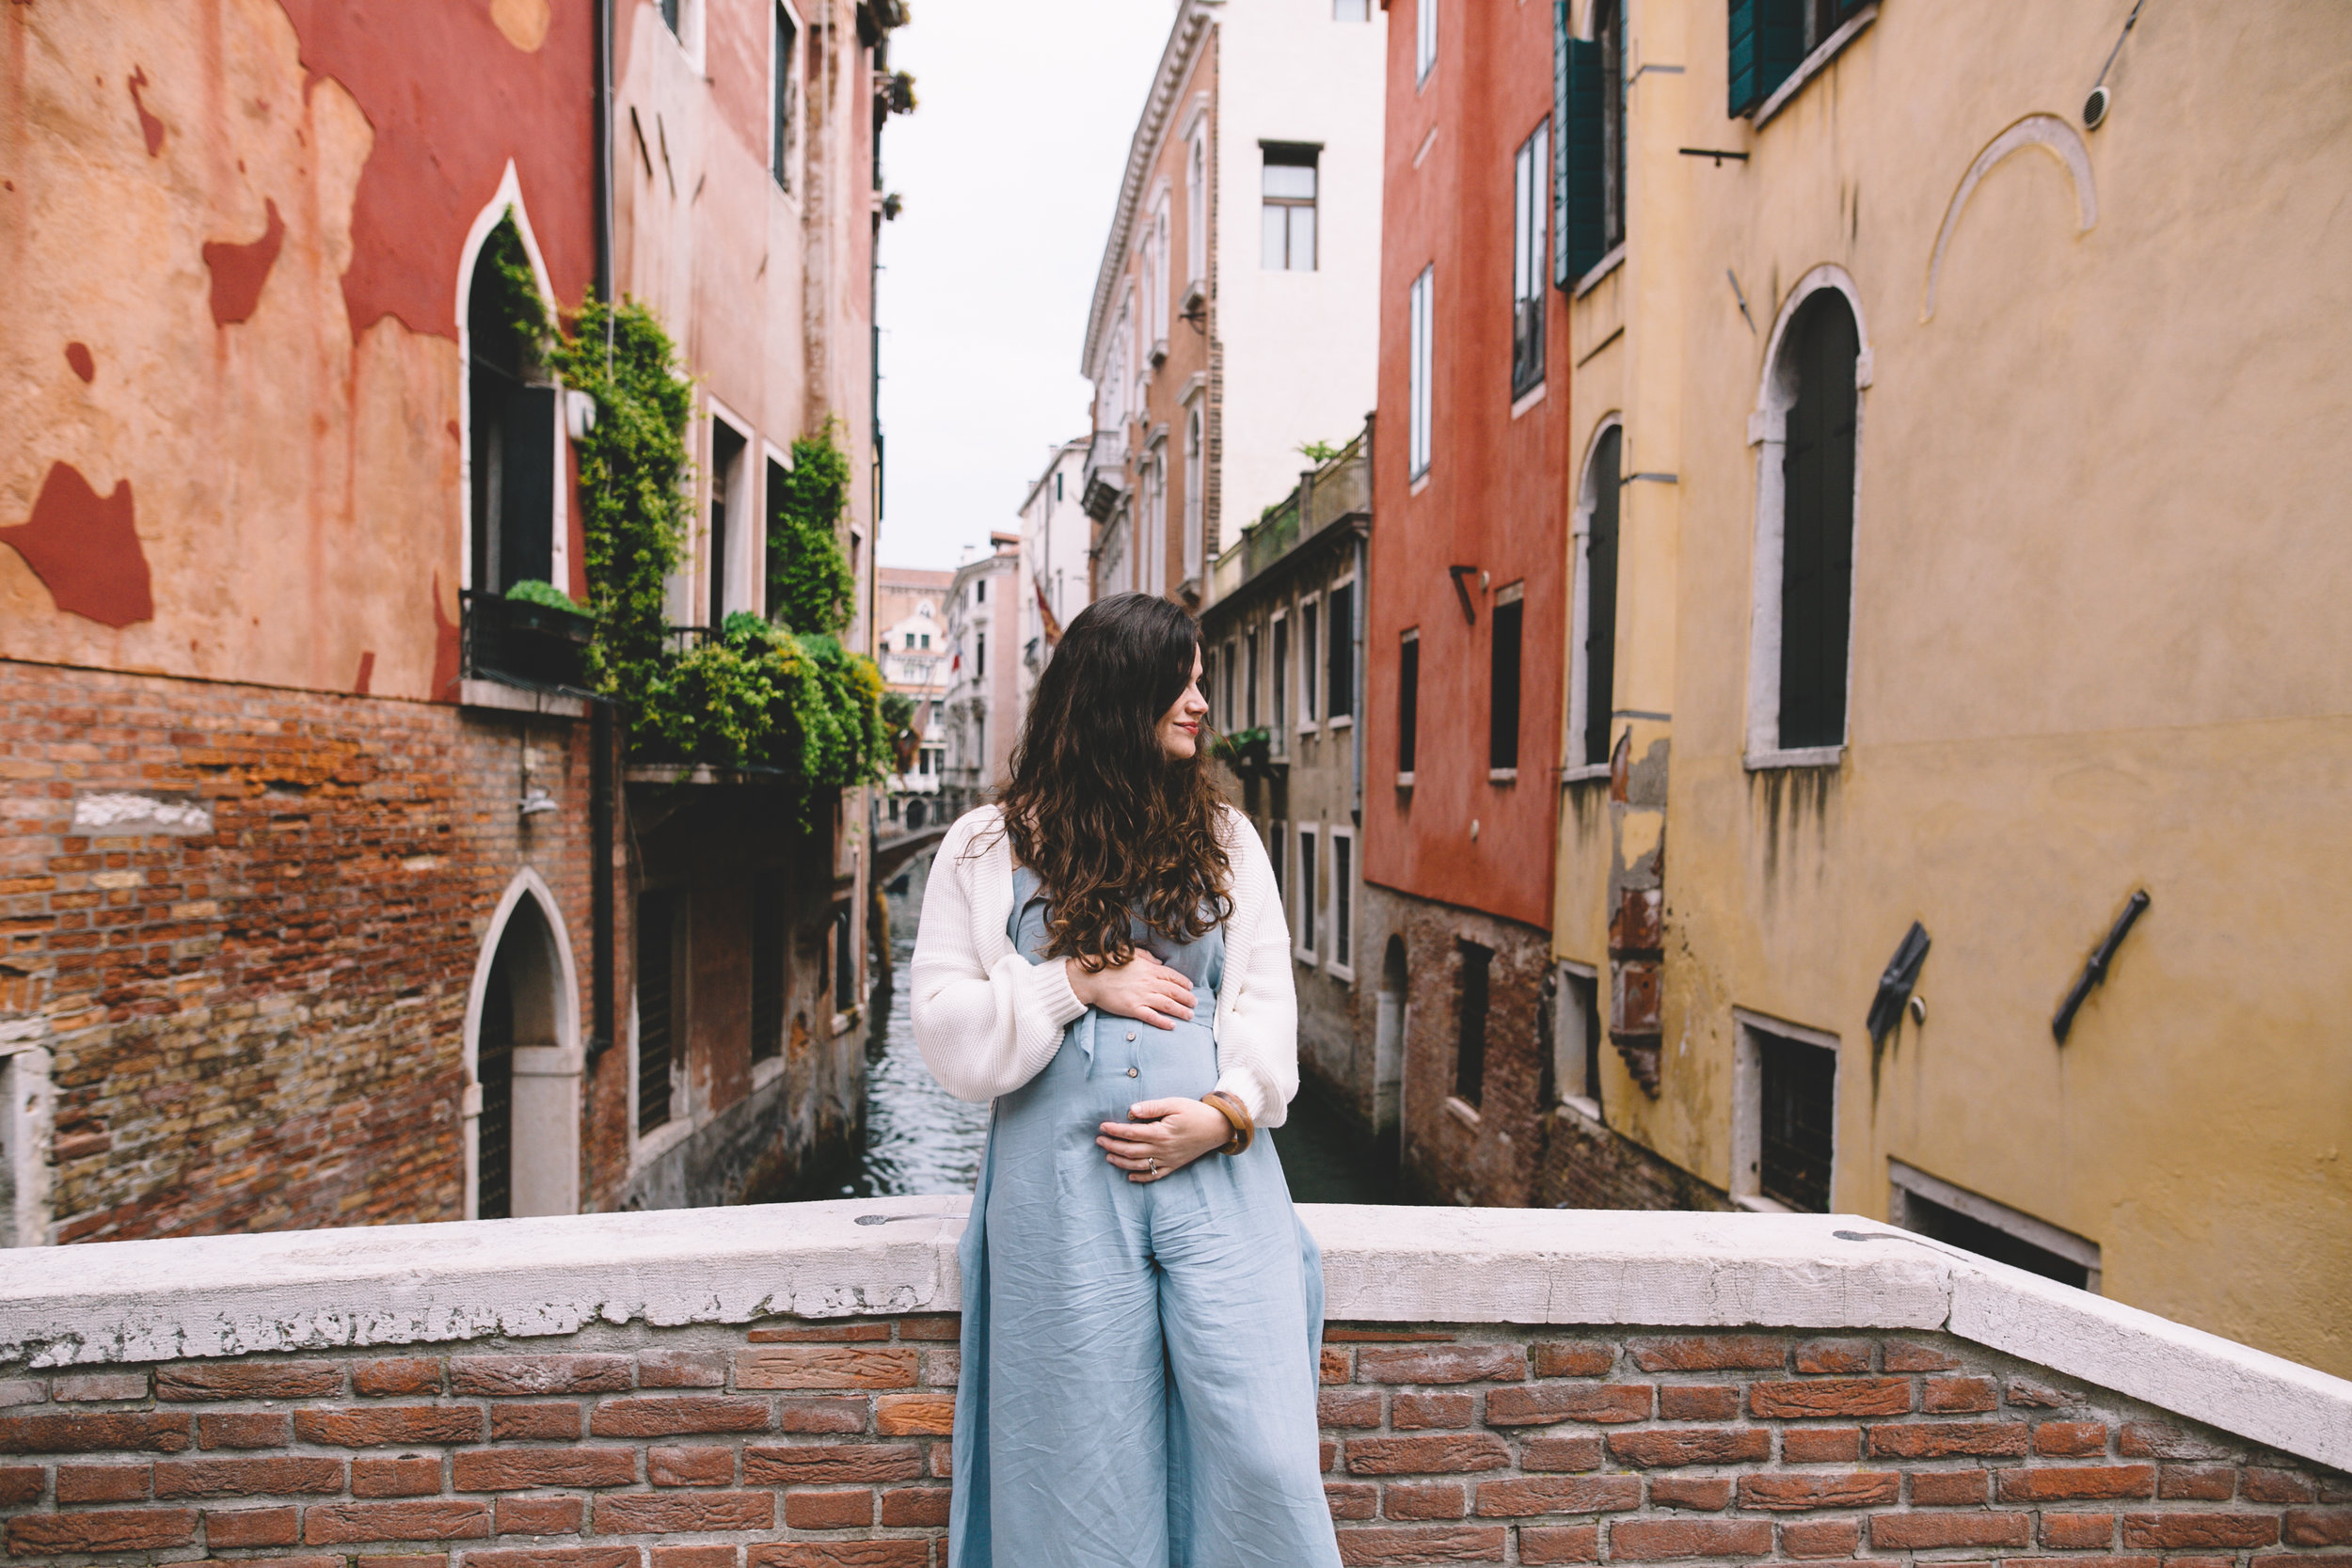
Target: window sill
<point>1306,956</point>
<point>844,1023</point>
<point>649,1146</point>
<point>1588,773</point>
<point>1503,775</point>
<point>1341,973</point>
<point>1756,1203</point>
<point>1404,779</point>
<point>768,1071</point>
<point>1310,727</point>
<point>1420,482</point>
<point>1528,399</point>
<point>1582,1108</point>
<point>1599,270</point>
<point>519,699</point>
<point>1813,64</point>
<point>1341,721</point>
<point>1462,1110</point>
<point>1802,756</point>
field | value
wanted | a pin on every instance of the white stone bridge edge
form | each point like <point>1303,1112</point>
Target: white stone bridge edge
<point>394,1285</point>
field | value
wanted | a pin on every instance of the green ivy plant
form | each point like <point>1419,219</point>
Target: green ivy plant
<point>810,585</point>
<point>546,594</point>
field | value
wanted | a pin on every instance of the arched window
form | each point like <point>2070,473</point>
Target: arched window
<point>1592,692</point>
<point>525,1066</point>
<point>1807,432</point>
<point>1196,484</point>
<point>511,408</point>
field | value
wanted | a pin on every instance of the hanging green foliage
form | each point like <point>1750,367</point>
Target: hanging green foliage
<point>758,697</point>
<point>632,482</point>
<point>810,586</point>
<point>523,317</point>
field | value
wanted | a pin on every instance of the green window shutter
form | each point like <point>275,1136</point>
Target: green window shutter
<point>1577,224</point>
<point>1767,43</point>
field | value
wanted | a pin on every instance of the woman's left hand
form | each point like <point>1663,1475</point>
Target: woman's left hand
<point>1166,1136</point>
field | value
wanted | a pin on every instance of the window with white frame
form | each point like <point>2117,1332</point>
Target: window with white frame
<point>1278,856</point>
<point>1279,684</point>
<point>1225,674</point>
<point>1576,1037</point>
<point>1287,212</point>
<point>1196,483</point>
<point>1424,38</point>
<point>1249,678</point>
<point>25,1137</point>
<point>1156,289</point>
<point>1530,209</point>
<point>1342,925</point>
<point>1407,703</point>
<point>1155,510</point>
<point>1416,400</point>
<point>1197,207</point>
<point>1806,432</point>
<point>1950,1213</point>
<point>1308,905</point>
<point>1339,669</point>
<point>783,65</point>
<point>1593,646</point>
<point>1784,1096</point>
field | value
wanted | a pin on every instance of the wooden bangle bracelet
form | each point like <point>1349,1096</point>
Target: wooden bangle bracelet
<point>1233,1111</point>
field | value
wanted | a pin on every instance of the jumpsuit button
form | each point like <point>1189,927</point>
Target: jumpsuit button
<point>1131,1072</point>
<point>1131,1034</point>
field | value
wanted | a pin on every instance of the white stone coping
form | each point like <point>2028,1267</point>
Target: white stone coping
<point>396,1285</point>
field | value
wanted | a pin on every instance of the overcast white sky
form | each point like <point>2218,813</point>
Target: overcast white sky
<point>1009,167</point>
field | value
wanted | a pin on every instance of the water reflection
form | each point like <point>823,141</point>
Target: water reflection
<point>920,1139</point>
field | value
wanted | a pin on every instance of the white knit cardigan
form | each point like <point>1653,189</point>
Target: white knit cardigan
<point>987,1020</point>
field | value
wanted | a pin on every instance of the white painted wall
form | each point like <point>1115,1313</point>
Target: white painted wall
<point>1300,347</point>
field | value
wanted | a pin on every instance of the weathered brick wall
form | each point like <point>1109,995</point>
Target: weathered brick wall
<point>796,1444</point>
<point>260,1025</point>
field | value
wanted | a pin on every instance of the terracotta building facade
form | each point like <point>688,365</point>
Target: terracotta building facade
<point>1466,624</point>
<point>314,909</point>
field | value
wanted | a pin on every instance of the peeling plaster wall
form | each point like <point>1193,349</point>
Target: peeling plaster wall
<point>252,225</point>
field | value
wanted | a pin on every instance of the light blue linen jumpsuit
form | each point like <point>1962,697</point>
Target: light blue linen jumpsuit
<point>1140,1360</point>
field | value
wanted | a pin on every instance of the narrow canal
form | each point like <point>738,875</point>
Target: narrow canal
<point>920,1140</point>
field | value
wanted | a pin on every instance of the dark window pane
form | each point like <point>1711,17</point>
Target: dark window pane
<point>1502,732</point>
<point>1930,1218</point>
<point>494,1070</point>
<point>656,922</point>
<point>768,968</point>
<point>1339,693</point>
<point>1600,602</point>
<point>1470,1058</point>
<point>844,960</point>
<point>1407,703</point>
<point>1816,551</point>
<point>1799,1083</point>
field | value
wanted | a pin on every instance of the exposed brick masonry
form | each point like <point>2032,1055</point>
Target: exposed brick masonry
<point>825,1444</point>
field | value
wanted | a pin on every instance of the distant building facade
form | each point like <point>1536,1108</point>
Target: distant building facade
<point>1283,643</point>
<point>336,904</point>
<point>911,610</point>
<point>1469,570</point>
<point>1229,324</point>
<point>1056,538</point>
<point>984,678</point>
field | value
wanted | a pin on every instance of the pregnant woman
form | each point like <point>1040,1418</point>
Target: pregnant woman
<point>1104,957</point>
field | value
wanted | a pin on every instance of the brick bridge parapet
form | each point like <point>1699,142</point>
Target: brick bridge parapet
<point>772,1387</point>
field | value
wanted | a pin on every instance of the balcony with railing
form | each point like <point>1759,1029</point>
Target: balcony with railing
<point>1105,477</point>
<point>523,645</point>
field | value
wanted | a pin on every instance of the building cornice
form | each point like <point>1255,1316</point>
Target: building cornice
<point>1194,21</point>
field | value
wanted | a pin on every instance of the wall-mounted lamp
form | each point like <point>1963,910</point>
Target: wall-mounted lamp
<point>535,803</point>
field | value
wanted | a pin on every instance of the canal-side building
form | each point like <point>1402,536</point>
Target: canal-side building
<point>1057,537</point>
<point>327,897</point>
<point>1466,626</point>
<point>984,673</point>
<point>1229,325</point>
<point>1283,648</point>
<point>1979,694</point>
<point>911,612</point>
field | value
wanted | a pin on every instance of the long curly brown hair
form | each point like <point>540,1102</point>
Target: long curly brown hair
<point>1112,825</point>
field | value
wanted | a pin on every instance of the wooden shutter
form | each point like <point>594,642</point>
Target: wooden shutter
<point>1579,225</point>
<point>1767,43</point>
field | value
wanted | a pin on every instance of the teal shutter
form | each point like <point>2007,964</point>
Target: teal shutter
<point>1767,43</point>
<point>1577,229</point>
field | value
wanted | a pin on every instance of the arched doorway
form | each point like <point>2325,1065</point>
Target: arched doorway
<point>1388,1046</point>
<point>523,1065</point>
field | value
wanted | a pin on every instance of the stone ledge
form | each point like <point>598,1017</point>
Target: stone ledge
<point>238,1295</point>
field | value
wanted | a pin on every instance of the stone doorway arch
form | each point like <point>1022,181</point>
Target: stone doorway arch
<point>523,1062</point>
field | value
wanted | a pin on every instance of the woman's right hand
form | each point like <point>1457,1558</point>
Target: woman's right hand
<point>1142,987</point>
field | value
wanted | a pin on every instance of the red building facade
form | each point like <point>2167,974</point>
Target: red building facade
<point>1466,624</point>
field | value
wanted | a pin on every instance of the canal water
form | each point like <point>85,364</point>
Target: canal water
<point>919,1139</point>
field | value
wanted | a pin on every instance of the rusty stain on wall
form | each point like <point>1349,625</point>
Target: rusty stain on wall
<point>367,673</point>
<point>85,549</point>
<point>240,270</point>
<point>150,127</point>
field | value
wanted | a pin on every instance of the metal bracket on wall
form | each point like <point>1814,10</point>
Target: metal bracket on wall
<point>2095,970</point>
<point>1469,611</point>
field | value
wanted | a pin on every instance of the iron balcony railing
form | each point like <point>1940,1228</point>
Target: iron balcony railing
<point>516,643</point>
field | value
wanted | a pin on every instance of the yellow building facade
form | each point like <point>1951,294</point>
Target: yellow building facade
<point>2095,533</point>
